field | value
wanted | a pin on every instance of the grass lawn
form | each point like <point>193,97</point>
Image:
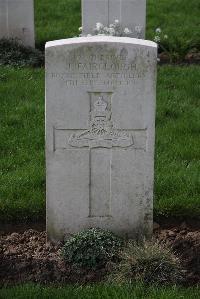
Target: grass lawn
<point>177,167</point>
<point>179,19</point>
<point>177,156</point>
<point>177,182</point>
<point>98,291</point>
<point>22,144</point>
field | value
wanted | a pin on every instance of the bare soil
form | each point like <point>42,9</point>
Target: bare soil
<point>26,256</point>
<point>190,58</point>
<point>185,243</point>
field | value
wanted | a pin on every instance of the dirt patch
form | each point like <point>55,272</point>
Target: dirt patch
<point>28,257</point>
<point>25,256</point>
<point>186,244</point>
<point>191,57</point>
<point>9,228</point>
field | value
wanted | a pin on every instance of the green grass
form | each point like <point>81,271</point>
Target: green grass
<point>179,19</point>
<point>177,167</point>
<point>32,291</point>
<point>177,157</point>
<point>56,19</point>
<point>22,144</point>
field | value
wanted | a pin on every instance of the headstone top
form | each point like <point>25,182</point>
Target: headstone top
<point>97,39</point>
<point>130,13</point>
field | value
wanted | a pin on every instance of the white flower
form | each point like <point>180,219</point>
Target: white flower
<point>157,39</point>
<point>116,21</point>
<point>138,29</point>
<point>99,26</point>
<point>80,29</point>
<point>127,31</point>
<point>158,30</point>
<point>165,36</point>
<point>111,31</point>
<point>88,35</point>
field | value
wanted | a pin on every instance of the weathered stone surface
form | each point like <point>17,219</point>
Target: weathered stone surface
<point>100,112</point>
<point>130,13</point>
<point>17,20</point>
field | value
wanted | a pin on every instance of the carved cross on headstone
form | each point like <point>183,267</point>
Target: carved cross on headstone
<point>130,13</point>
<point>100,139</point>
<point>100,115</point>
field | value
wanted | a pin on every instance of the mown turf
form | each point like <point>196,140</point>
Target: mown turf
<point>177,157</point>
<point>179,19</point>
<point>22,187</point>
<point>56,19</point>
<point>98,291</point>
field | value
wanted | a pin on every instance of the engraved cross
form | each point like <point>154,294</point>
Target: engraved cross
<point>101,138</point>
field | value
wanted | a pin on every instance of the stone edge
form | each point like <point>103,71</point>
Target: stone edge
<point>103,39</point>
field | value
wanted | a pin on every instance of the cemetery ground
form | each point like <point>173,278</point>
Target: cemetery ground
<point>57,22</point>
<point>177,144</point>
<point>24,253</point>
<point>176,195</point>
<point>98,291</point>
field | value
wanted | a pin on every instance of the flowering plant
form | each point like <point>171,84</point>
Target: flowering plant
<point>114,29</point>
<point>159,35</point>
<point>160,38</point>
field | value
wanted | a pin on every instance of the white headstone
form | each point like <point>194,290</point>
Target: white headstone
<point>130,13</point>
<point>100,112</point>
<point>17,20</point>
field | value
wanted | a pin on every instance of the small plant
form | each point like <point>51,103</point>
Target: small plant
<point>148,262</point>
<point>160,39</point>
<point>12,52</point>
<point>92,248</point>
<point>114,29</point>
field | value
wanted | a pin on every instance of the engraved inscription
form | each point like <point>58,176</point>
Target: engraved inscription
<point>83,68</point>
<point>101,132</point>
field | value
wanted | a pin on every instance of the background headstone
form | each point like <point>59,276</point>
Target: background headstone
<point>100,113</point>
<point>17,20</point>
<point>130,13</point>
